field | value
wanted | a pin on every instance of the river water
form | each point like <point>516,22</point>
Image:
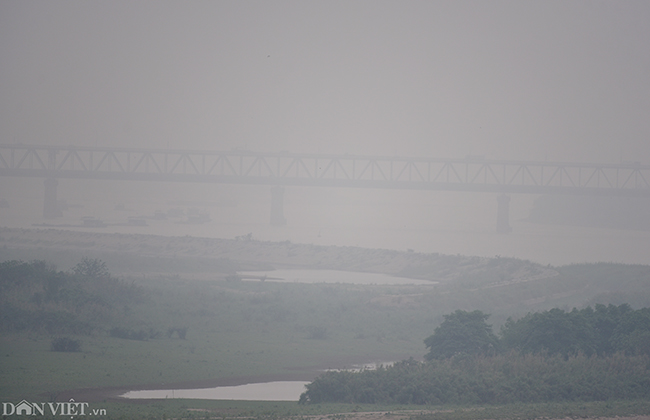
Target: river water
<point>429,222</point>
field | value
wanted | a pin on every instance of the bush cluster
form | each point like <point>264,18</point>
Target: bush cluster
<point>36,297</point>
<point>65,344</point>
<point>499,379</point>
<point>585,355</point>
<point>603,330</point>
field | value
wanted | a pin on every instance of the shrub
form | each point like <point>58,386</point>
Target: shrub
<point>502,379</point>
<point>462,332</point>
<point>65,344</point>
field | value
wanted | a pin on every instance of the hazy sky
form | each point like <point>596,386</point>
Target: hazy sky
<point>557,80</point>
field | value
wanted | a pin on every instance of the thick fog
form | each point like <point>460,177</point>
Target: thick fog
<point>520,80</point>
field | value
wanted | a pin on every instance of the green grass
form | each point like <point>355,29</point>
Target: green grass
<point>200,409</point>
<point>235,329</point>
<point>537,411</point>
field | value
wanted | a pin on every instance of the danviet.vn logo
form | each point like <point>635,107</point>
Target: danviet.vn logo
<point>69,408</point>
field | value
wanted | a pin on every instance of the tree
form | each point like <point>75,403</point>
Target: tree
<point>91,268</point>
<point>632,334</point>
<point>554,332</point>
<point>462,332</point>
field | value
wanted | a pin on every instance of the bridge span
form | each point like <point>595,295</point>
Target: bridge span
<point>471,174</point>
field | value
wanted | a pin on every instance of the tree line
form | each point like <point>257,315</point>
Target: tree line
<point>602,330</point>
<point>36,297</point>
<point>591,354</point>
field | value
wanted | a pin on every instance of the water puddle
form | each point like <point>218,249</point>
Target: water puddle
<point>267,391</point>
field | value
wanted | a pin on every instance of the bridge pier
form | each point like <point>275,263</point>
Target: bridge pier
<point>50,206</point>
<point>277,207</point>
<point>503,214</point>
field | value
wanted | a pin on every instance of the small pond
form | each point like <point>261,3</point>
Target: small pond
<point>330,276</point>
<point>267,391</point>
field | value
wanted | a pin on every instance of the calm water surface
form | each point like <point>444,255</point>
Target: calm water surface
<point>268,391</point>
<point>425,221</point>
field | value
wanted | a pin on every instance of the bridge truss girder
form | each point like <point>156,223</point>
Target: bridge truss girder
<point>243,167</point>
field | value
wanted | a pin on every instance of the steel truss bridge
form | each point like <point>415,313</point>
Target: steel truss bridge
<point>289,169</point>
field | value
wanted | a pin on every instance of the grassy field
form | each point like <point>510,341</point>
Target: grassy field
<point>234,329</point>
